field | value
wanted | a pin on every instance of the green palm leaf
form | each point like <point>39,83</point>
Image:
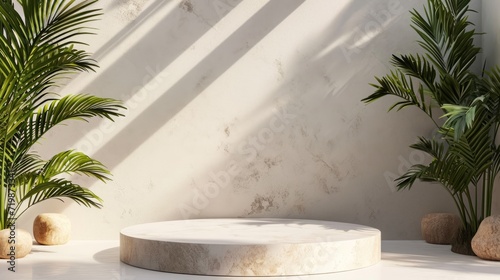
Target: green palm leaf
<point>397,84</point>
<point>444,168</point>
<point>70,107</point>
<point>37,50</point>
<point>72,162</point>
<point>28,163</point>
<point>56,188</point>
<point>466,157</point>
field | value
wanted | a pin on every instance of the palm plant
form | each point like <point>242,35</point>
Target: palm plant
<point>37,51</point>
<point>464,106</point>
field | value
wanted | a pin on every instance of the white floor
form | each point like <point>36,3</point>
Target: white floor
<point>85,260</point>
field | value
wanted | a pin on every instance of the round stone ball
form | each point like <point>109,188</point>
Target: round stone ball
<point>51,229</point>
<point>15,243</point>
<point>486,242</point>
<point>440,228</point>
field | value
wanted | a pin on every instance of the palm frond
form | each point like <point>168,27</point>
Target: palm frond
<point>57,188</point>
<point>459,117</point>
<point>37,48</point>
<point>70,107</point>
<point>446,36</point>
<point>475,150</point>
<point>433,147</point>
<point>464,161</point>
<point>28,163</point>
<point>14,42</point>
<point>397,84</point>
<point>496,161</point>
<point>491,88</point>
<point>441,169</point>
<point>418,67</point>
<point>73,162</point>
<point>56,21</point>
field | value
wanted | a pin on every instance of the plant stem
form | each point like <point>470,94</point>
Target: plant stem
<point>3,179</point>
<point>466,213</point>
<point>475,197</point>
<point>459,207</point>
<point>473,214</point>
<point>3,196</point>
<point>483,194</point>
<point>489,193</point>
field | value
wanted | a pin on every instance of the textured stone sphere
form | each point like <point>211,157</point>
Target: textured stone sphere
<point>15,243</point>
<point>440,228</point>
<point>486,242</point>
<point>51,229</point>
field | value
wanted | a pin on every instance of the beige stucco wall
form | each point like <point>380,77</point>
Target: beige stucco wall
<point>248,109</point>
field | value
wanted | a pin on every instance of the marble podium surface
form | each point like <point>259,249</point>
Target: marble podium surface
<point>250,247</point>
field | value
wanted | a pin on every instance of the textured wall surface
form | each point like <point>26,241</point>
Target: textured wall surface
<point>490,25</point>
<point>248,109</point>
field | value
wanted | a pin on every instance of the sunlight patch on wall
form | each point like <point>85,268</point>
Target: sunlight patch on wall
<point>365,29</point>
<point>157,81</point>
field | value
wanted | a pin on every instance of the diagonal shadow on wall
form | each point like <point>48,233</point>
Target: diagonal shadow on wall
<point>316,85</point>
<point>186,89</point>
<point>196,80</point>
<point>128,30</point>
<point>170,37</point>
<point>154,51</point>
<point>217,62</point>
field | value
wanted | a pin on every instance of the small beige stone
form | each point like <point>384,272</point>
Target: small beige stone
<point>15,243</point>
<point>486,242</point>
<point>51,229</point>
<point>440,228</point>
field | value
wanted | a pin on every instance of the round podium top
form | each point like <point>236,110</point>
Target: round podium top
<point>249,231</point>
